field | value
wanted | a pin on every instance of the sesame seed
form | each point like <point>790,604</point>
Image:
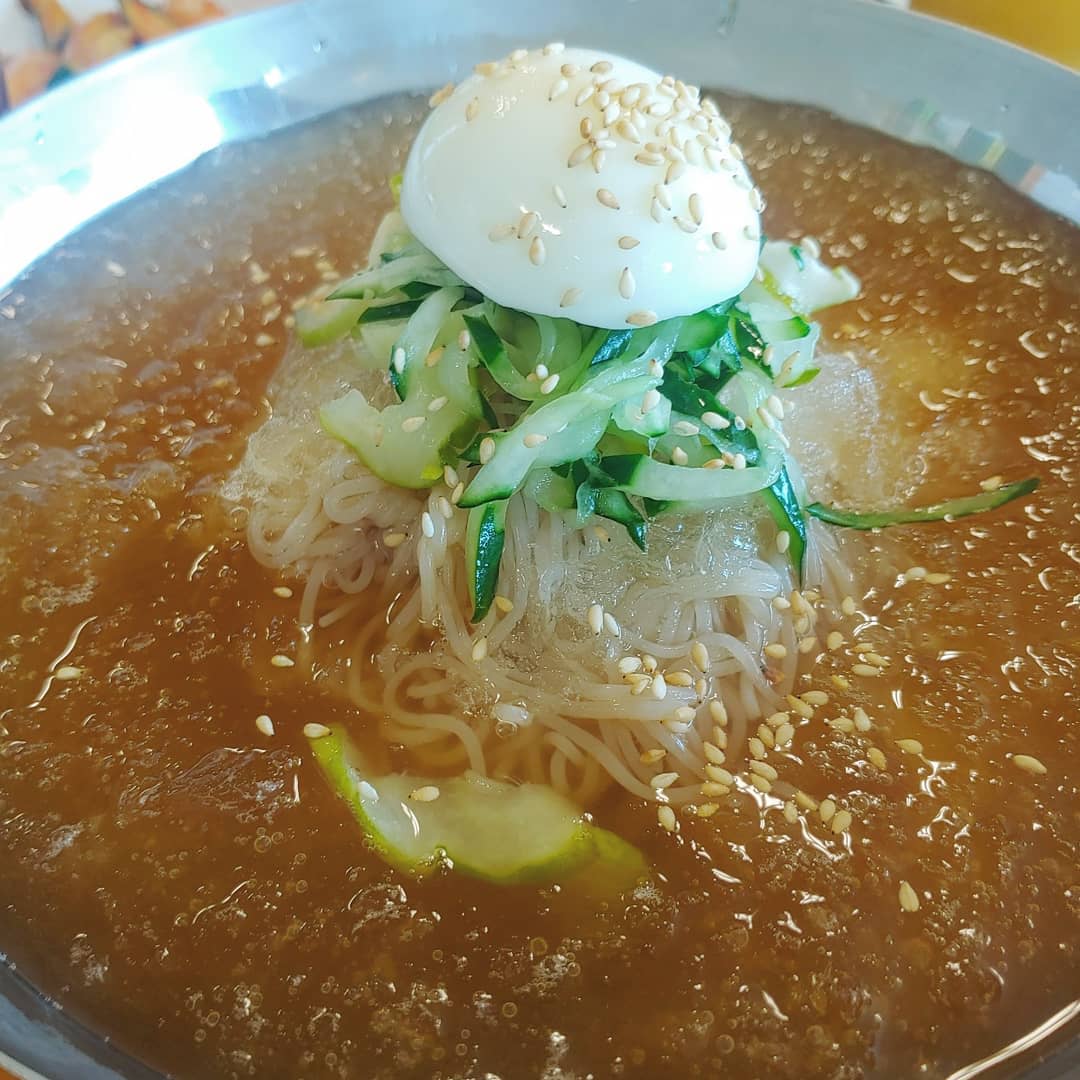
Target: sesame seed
<point>791,812</point>
<point>834,641</point>
<point>560,195</point>
<point>480,649</point>
<point>826,810</point>
<point>628,665</point>
<point>718,712</point>
<point>501,232</point>
<point>443,503</point>
<point>739,462</point>
<point>642,318</point>
<point>537,251</point>
<point>843,724</point>
<point>713,788</point>
<point>783,542</point>
<point>699,656</point>
<point>861,720</point>
<point>627,285</point>
<point>784,734</point>
<point>817,698</point>
<point>714,463</point>
<point>776,650</point>
<point>584,94</point>
<point>756,747</point>
<point>579,155</point>
<point>611,625</point>
<point>706,810</point>
<point>627,243</point>
<point>679,456</point>
<point>427,793</point>
<point>265,725</point>
<point>719,775</point>
<point>803,708</point>
<point>763,768</point>
<point>434,356</point>
<point>713,754</point>
<point>651,757</point>
<point>316,731</point>
<point>865,670</point>
<point>841,822</point>
<point>488,67</point>
<point>605,198</point>
<point>806,802</point>
<point>756,200</point>
<point>909,899</point>
<point>504,603</point>
<point>674,171</point>
<point>427,525</point>
<point>648,157</point>
<point>847,605</point>
<point>67,672</point>
<point>601,534</point>
<point>877,758</point>
<point>553,48</point>
<point>527,224</point>
<point>569,70</point>
<point>658,688</point>
<point>938,579</point>
<point>685,714</point>
<point>412,423</point>
<point>666,816</point>
<point>436,404</point>
<point>627,130</point>
<point>685,427</point>
<point>283,591</point>
<point>991,483</point>
<point>656,211</point>
<point>596,618</point>
<point>441,95</point>
<point>719,736</point>
<point>570,297</point>
<point>393,539</point>
<point>638,684</point>
<point>487,449</point>
<point>650,400</point>
<point>663,780</point>
<point>841,682</point>
<point>686,226</point>
<point>765,734</point>
<point>719,242</point>
<point>715,421</point>
<point>549,384</point>
<point>397,358</point>
<point>763,785</point>
<point>601,67</point>
<point>281,661</point>
<point>695,208</point>
<point>910,746</point>
<point>518,55</point>
<point>1029,764</point>
<point>648,663</point>
<point>558,88</point>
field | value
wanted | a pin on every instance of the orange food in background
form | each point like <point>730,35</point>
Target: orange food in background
<point>1050,27</point>
<point>72,47</point>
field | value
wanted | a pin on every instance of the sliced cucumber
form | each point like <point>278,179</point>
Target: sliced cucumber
<point>615,506</point>
<point>953,508</point>
<point>651,479</point>
<point>784,506</point>
<point>628,416</point>
<point>802,279</point>
<point>417,339</point>
<point>551,433</point>
<point>389,442</point>
<point>485,536</point>
<point>324,321</point>
<point>503,833</point>
<point>380,280</point>
<point>703,330</point>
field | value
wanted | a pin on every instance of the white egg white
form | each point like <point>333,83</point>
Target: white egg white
<point>574,183</point>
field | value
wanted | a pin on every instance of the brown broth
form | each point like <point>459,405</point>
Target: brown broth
<point>191,888</point>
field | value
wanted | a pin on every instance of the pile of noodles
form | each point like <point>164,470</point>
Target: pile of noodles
<point>547,702</point>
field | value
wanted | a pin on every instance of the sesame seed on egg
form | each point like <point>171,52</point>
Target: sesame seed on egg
<point>631,203</point>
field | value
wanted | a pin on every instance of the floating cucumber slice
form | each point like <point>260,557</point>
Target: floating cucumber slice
<point>507,834</point>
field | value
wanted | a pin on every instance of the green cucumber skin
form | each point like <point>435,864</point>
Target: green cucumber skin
<point>952,508</point>
<point>784,506</point>
<point>485,537</point>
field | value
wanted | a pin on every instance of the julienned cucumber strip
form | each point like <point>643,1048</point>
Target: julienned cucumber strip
<point>503,833</point>
<point>324,321</point>
<point>954,508</point>
<point>784,506</point>
<point>418,337</point>
<point>651,479</point>
<point>485,536</point>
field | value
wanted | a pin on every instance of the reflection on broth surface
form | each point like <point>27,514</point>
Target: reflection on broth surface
<point>190,885</point>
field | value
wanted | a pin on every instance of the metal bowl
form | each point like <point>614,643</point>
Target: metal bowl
<point>92,143</point>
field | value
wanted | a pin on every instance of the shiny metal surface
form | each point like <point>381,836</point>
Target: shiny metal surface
<point>95,141</point>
